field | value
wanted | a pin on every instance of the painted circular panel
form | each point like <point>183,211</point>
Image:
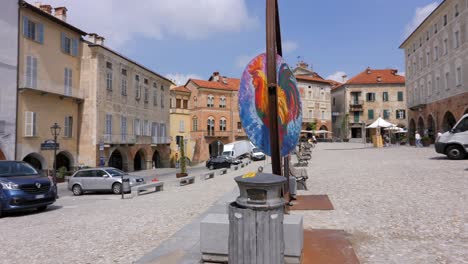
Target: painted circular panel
<point>253,105</point>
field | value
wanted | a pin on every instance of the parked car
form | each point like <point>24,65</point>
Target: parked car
<point>257,154</point>
<point>100,179</point>
<point>23,187</point>
<point>218,162</point>
<point>454,143</point>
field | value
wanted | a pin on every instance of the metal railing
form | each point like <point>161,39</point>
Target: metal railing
<point>160,140</point>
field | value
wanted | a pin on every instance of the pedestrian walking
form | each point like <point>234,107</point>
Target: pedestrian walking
<point>417,137</point>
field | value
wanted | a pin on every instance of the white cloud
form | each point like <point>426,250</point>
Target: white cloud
<point>420,14</point>
<point>180,78</point>
<point>121,21</point>
<point>289,46</point>
<point>243,60</point>
<point>337,76</point>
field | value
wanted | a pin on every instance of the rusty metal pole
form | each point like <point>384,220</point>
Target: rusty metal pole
<point>271,38</point>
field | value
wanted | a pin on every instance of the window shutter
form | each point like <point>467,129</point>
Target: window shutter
<point>75,47</point>
<point>34,123</point>
<point>70,82</point>
<point>29,71</point>
<point>65,81</point>
<point>62,41</point>
<point>34,72</point>
<point>27,124</point>
<point>25,26</point>
<point>40,33</point>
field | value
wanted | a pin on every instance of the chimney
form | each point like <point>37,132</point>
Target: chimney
<point>345,78</point>
<point>100,40</point>
<point>303,65</point>
<point>46,8</point>
<point>216,76</point>
<point>394,72</point>
<point>37,4</point>
<point>92,37</point>
<point>61,13</point>
<point>368,70</point>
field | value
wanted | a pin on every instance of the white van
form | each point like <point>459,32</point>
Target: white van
<point>454,143</point>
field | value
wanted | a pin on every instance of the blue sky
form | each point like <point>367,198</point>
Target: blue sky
<point>193,38</point>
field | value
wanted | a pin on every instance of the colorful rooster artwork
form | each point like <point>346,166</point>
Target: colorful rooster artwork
<point>253,105</point>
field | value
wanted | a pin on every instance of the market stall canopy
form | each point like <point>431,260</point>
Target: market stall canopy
<point>380,123</point>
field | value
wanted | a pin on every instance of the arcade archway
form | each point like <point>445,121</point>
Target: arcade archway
<point>139,161</point>
<point>216,148</point>
<point>116,160</point>
<point>156,159</point>
<point>448,121</point>
<point>64,159</point>
<point>35,160</point>
<point>2,156</point>
<point>421,126</point>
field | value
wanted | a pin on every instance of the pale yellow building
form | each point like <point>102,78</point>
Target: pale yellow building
<point>180,123</point>
<point>125,111</point>
<point>48,87</point>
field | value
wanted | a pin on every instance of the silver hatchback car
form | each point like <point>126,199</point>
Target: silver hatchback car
<point>100,179</point>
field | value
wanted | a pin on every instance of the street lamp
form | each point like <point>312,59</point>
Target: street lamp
<point>55,131</point>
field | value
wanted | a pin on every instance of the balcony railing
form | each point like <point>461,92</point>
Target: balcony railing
<point>160,140</point>
<point>356,105</point>
<point>47,86</point>
<point>119,139</point>
<point>217,133</point>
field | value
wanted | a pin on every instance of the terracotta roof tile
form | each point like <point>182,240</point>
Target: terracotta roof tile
<point>371,76</point>
<point>231,84</point>
<point>181,89</point>
<point>310,78</point>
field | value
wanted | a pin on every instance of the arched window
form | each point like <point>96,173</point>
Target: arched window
<point>195,124</point>
<point>210,101</point>
<point>222,124</point>
<point>210,126</point>
<point>222,102</point>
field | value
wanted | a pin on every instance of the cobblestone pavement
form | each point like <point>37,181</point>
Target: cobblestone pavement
<point>102,228</point>
<point>398,204</point>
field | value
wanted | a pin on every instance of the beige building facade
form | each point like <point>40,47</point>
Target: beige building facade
<point>436,58</point>
<point>361,100</point>
<point>315,95</point>
<point>125,119</point>
<point>180,117</point>
<point>48,89</point>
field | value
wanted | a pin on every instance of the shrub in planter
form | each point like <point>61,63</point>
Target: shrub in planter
<point>182,162</point>
<point>426,141</point>
<point>412,141</point>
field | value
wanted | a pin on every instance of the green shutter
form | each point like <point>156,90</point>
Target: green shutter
<point>370,114</point>
<point>400,96</point>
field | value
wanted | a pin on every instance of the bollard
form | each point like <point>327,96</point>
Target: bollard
<point>256,220</point>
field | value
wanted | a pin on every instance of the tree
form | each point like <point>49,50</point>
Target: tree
<point>183,159</point>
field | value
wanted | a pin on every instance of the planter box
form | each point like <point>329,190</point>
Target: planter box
<point>180,175</point>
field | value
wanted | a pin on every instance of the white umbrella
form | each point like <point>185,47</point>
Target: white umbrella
<point>380,123</point>
<point>322,132</point>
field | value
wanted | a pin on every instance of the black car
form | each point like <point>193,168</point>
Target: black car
<point>218,162</point>
<point>23,187</point>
